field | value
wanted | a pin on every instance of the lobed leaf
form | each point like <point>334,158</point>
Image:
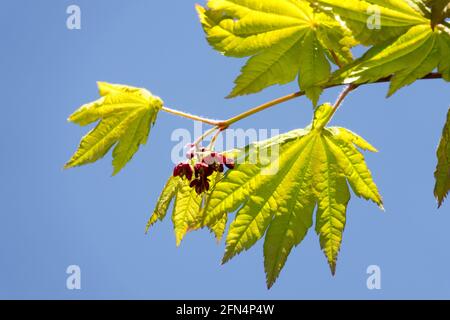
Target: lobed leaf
<point>395,17</point>
<point>125,116</point>
<point>407,44</point>
<point>311,168</point>
<point>283,38</point>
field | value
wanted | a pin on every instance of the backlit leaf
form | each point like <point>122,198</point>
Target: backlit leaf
<point>125,116</point>
<point>442,173</point>
<point>308,169</point>
<point>284,38</point>
<point>406,47</point>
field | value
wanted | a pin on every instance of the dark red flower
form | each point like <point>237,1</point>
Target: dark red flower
<point>203,169</point>
<point>183,170</point>
<point>200,184</point>
<point>198,173</point>
<point>228,162</point>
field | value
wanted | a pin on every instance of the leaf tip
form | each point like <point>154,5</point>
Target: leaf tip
<point>226,258</point>
<point>115,172</point>
<point>440,201</point>
<point>231,95</point>
<point>200,9</point>
<point>333,268</point>
<point>68,165</point>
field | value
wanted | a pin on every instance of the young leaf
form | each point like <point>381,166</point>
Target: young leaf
<point>167,195</point>
<point>442,173</point>
<point>187,213</point>
<point>309,168</point>
<point>125,116</point>
<point>284,38</point>
<point>406,46</point>
<point>412,56</point>
<point>374,21</point>
<point>333,197</point>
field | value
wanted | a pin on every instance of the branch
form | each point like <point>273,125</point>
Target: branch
<point>343,95</point>
<point>191,116</point>
<point>224,124</point>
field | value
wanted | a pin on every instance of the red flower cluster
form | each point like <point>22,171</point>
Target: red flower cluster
<point>202,170</point>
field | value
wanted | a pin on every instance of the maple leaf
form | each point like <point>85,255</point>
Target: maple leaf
<point>442,173</point>
<point>310,170</point>
<point>187,213</point>
<point>125,116</point>
<point>395,17</point>
<point>406,46</point>
<point>284,38</point>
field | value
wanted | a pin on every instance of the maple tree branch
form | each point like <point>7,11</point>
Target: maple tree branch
<point>224,124</point>
<point>190,116</point>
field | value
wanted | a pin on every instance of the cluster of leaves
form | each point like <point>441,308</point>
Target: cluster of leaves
<point>278,184</point>
<point>406,46</point>
<point>309,169</point>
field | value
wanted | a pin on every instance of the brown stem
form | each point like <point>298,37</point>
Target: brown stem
<point>224,124</point>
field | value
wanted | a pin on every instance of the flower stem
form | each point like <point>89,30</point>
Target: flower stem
<point>205,135</point>
<point>214,139</point>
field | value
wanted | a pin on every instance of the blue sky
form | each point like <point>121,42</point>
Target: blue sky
<point>51,218</point>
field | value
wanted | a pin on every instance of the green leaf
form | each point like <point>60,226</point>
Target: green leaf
<point>239,184</point>
<point>291,222</point>
<point>284,38</point>
<point>412,56</point>
<point>395,17</point>
<point>351,137</point>
<point>442,173</point>
<point>315,67</point>
<point>125,116</point>
<point>333,197</point>
<point>186,212</point>
<point>257,212</point>
<point>444,64</point>
<point>167,195</point>
<point>306,169</point>
<point>407,46</point>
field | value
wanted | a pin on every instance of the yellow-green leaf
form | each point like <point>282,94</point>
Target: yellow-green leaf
<point>167,195</point>
<point>407,44</point>
<point>276,198</point>
<point>186,212</point>
<point>284,38</point>
<point>125,116</point>
<point>442,173</point>
<point>374,21</point>
<point>333,196</point>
